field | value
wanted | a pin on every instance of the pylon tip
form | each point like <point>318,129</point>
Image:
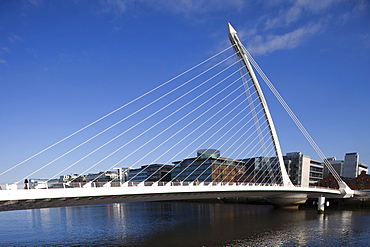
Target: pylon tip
<point>231,29</point>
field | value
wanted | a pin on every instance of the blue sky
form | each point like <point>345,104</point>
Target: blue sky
<point>64,64</point>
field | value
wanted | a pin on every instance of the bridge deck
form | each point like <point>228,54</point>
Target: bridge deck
<point>58,197</point>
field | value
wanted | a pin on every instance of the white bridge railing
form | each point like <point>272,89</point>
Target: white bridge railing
<point>115,184</point>
<point>62,194</point>
<point>41,185</point>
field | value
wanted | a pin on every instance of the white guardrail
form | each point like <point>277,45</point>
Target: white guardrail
<point>100,189</point>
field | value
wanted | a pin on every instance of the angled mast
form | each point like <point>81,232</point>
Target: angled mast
<point>238,47</point>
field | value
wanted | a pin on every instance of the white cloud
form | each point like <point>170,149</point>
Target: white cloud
<point>285,19</point>
<point>196,6</point>
<point>2,61</point>
<point>115,6</point>
<point>297,9</point>
<point>32,52</point>
<point>35,2</point>
<point>262,45</point>
<point>290,20</point>
<point>184,7</point>
<point>314,6</point>
<point>360,7</point>
<point>4,50</point>
<point>27,4</point>
<point>365,39</point>
<point>14,38</point>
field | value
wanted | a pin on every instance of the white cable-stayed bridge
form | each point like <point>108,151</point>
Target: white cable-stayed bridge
<point>216,110</point>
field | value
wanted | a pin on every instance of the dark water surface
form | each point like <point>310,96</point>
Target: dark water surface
<point>183,224</point>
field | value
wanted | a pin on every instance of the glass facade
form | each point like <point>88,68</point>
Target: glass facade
<point>208,166</point>
<point>150,173</point>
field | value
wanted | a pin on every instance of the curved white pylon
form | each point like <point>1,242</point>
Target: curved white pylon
<point>240,52</point>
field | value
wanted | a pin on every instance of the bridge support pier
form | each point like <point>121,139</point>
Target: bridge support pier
<point>321,205</point>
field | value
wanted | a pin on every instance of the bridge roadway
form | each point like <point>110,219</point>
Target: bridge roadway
<point>15,199</point>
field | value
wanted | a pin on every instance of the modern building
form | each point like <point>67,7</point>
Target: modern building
<point>352,171</point>
<point>298,168</point>
<point>316,172</point>
<point>352,167</point>
<point>337,165</point>
<point>71,177</point>
<point>208,166</point>
<point>348,168</point>
<point>41,183</point>
<point>302,170</point>
<point>101,177</point>
<point>150,173</point>
<point>122,173</point>
<point>262,170</point>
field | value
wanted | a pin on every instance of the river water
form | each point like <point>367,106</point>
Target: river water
<point>183,224</point>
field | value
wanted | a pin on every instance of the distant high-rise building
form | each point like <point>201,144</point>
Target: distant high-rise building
<point>352,167</point>
<point>337,165</point>
<point>348,168</point>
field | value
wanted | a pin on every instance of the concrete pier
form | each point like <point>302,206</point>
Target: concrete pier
<point>321,205</point>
